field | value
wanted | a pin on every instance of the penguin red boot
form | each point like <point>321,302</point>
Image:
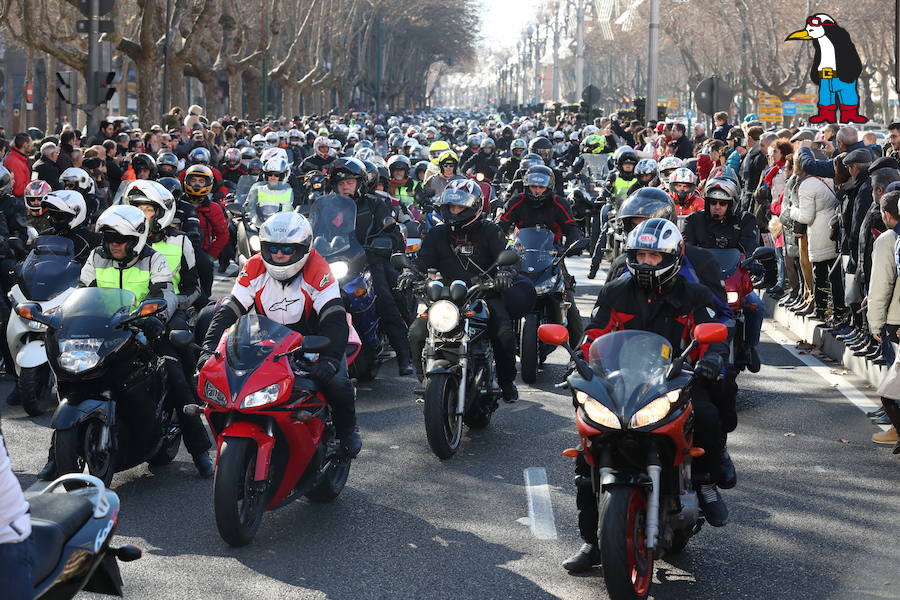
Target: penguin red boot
<point>827,114</point>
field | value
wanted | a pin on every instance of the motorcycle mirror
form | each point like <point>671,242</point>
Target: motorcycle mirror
<point>458,291</point>
<point>577,246</point>
<point>710,333</point>
<point>552,334</point>
<point>31,311</point>
<point>507,258</point>
<point>763,253</point>
<point>314,344</point>
<point>235,209</point>
<point>181,337</point>
<point>400,261</point>
<point>434,290</point>
<point>148,308</point>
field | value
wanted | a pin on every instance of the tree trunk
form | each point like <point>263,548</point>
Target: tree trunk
<point>176,83</point>
<point>30,120</point>
<point>868,107</point>
<point>148,93</point>
<point>123,86</point>
<point>885,77</point>
<point>212,107</point>
<point>235,87</point>
<point>252,81</point>
<point>50,95</point>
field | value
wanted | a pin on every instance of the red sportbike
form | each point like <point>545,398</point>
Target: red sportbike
<point>635,421</point>
<point>273,427</point>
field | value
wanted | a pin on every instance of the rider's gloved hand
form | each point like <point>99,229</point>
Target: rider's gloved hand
<point>204,356</point>
<point>153,328</point>
<point>757,270</point>
<point>405,280</point>
<point>325,369</point>
<point>505,278</point>
<point>709,367</point>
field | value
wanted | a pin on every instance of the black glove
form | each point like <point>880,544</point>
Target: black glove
<point>709,367</point>
<point>405,280</point>
<point>324,370</point>
<point>757,270</point>
<point>153,328</point>
<point>504,278</point>
<point>204,356</point>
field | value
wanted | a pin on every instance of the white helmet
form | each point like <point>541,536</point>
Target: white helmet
<point>258,141</point>
<point>682,175</point>
<point>645,166</point>
<point>142,191</point>
<point>272,138</point>
<point>295,137</point>
<point>655,235</point>
<point>669,163</point>
<point>276,165</point>
<point>286,229</point>
<point>270,153</point>
<point>124,221</point>
<point>77,178</point>
<point>65,207</point>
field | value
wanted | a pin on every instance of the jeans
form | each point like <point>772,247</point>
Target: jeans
<point>834,91</point>
<point>753,319</point>
<point>16,564</point>
<point>779,256</point>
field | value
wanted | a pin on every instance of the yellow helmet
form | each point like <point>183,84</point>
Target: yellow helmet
<point>447,158</point>
<point>436,149</point>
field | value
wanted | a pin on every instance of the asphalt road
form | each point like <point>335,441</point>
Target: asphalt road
<point>814,515</point>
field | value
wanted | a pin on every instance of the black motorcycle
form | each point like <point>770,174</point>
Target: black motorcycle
<point>540,264</point>
<point>72,534</point>
<point>113,412</point>
<point>460,384</point>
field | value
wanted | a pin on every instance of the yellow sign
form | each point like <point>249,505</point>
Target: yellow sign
<point>769,108</point>
<point>672,103</point>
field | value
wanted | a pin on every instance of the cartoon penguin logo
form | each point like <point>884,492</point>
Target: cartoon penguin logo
<point>835,69</point>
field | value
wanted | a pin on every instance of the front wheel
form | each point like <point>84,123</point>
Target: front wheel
<point>443,427</point>
<point>238,500</point>
<point>36,389</point>
<point>528,348</point>
<point>627,561</point>
<point>170,444</point>
<point>332,482</point>
<point>80,447</point>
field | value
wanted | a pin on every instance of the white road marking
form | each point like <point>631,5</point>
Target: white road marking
<point>847,389</point>
<point>540,508</point>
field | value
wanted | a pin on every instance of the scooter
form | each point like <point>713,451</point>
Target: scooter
<point>273,428</point>
<point>634,416</point>
<point>72,534</point>
<point>47,276</point>
<point>113,412</point>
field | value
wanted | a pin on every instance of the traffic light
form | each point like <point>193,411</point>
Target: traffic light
<point>640,108</point>
<point>104,92</point>
<point>66,88</point>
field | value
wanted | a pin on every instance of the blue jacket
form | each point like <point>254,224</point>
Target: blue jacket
<point>821,168</point>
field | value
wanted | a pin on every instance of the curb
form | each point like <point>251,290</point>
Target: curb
<point>812,331</point>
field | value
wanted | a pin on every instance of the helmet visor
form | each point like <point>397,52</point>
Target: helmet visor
<point>538,179</point>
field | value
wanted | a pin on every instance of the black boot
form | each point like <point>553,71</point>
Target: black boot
<point>509,392</point>
<point>404,365</point>
<point>727,473</point>
<point>14,398</point>
<point>351,442</point>
<point>204,464</point>
<point>48,473</point>
<point>585,559</point>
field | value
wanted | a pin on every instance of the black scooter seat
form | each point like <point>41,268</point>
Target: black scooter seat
<point>55,518</point>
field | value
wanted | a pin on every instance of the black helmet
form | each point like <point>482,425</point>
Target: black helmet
<point>655,235</point>
<point>371,173</point>
<point>626,157</point>
<point>721,188</point>
<point>141,162</point>
<point>467,194</point>
<point>421,167</point>
<point>384,177</point>
<point>167,164</point>
<point>173,185</point>
<point>646,203</point>
<point>539,175</point>
<point>399,162</point>
<point>542,147</point>
<point>255,164</point>
<point>347,168</point>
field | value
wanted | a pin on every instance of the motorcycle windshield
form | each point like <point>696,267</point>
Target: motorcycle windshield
<point>253,338</point>
<point>535,246</point>
<point>243,188</point>
<point>633,366</point>
<point>596,166</point>
<point>87,313</point>
<point>264,211</point>
<point>333,221</point>
<point>49,268</point>
<point>728,260</point>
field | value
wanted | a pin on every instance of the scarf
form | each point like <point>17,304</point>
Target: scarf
<point>770,176</point>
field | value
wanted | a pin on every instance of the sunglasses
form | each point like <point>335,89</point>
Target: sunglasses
<point>286,250</point>
<point>114,237</point>
<point>713,202</point>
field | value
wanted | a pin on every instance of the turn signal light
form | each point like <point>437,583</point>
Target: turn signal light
<point>360,291</point>
<point>571,452</point>
<point>696,452</point>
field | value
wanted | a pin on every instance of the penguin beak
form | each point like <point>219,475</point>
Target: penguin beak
<point>799,35</point>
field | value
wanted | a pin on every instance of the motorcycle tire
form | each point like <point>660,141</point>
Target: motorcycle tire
<point>529,348</point>
<point>171,443</point>
<point>443,428</point>
<point>331,484</point>
<point>238,506</point>
<point>36,389</point>
<point>73,451</point>
<point>627,561</point>
<point>365,367</point>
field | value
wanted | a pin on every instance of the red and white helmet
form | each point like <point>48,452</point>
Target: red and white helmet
<point>667,165</point>
<point>34,193</point>
<point>682,175</point>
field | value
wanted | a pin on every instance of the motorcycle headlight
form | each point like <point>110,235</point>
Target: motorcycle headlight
<point>254,244</point>
<point>597,412</point>
<point>443,316</point>
<point>214,394</point>
<point>76,356</point>
<point>35,326</point>
<point>732,297</point>
<point>339,269</point>
<point>267,395</point>
<point>655,411</point>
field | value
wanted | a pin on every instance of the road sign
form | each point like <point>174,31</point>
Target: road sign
<point>806,103</point>
<point>29,92</point>
<point>590,95</point>
<point>713,95</point>
<point>789,109</point>
<point>84,26</point>
<point>85,7</point>
<point>769,108</point>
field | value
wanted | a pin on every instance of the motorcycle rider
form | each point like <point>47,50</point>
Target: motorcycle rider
<point>463,247</point>
<point>347,177</point>
<point>658,299</point>
<point>67,213</point>
<point>448,162</point>
<point>167,165</point>
<point>683,191</point>
<point>274,191</point>
<point>36,215</point>
<point>484,162</point>
<point>75,178</point>
<point>144,166</point>
<point>645,171</point>
<point>667,166</point>
<point>322,159</point>
<point>402,186</point>
<point>619,183</point>
<point>508,169</point>
<point>290,283</point>
<point>544,148</point>
<point>722,225</point>
<point>538,206</point>
<point>124,260</point>
<point>231,167</point>
<point>198,183</point>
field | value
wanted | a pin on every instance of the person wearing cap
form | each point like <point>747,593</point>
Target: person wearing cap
<point>847,139</point>
<point>46,168</point>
